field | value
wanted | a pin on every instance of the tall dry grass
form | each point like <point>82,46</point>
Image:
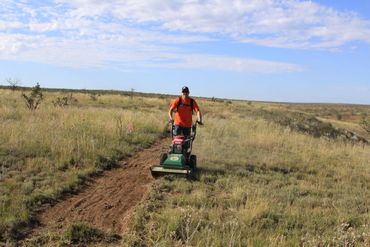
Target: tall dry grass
<point>50,151</point>
<point>261,185</point>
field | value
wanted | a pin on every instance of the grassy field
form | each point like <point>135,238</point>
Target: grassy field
<point>261,184</point>
<point>51,151</point>
<point>264,180</point>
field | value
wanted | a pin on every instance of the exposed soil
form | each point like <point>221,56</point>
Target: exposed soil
<point>108,201</point>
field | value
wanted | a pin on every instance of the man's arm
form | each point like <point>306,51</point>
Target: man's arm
<point>199,116</point>
<point>170,112</point>
<point>199,113</point>
<point>173,106</point>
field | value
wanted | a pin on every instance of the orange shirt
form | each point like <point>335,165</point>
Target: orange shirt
<point>184,114</point>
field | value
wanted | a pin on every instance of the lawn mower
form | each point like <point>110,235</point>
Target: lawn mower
<point>179,159</point>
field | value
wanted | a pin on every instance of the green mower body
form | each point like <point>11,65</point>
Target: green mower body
<point>174,161</point>
<point>179,159</point>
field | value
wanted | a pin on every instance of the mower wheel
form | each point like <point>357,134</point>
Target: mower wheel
<point>163,158</point>
<point>193,162</point>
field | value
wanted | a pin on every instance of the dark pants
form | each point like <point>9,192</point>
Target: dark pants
<point>179,130</point>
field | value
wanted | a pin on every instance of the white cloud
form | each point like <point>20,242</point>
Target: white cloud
<point>228,63</point>
<point>43,27</point>
<point>151,32</point>
<point>131,54</point>
<point>6,25</point>
<point>283,23</point>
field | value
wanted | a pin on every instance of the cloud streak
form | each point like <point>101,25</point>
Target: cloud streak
<point>103,53</point>
<point>152,33</point>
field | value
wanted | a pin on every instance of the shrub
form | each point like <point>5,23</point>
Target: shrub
<point>93,97</point>
<point>34,99</point>
<point>65,101</point>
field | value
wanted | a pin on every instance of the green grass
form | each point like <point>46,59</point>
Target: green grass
<point>85,234</point>
<point>261,185</point>
<point>76,234</point>
<point>51,151</point>
<point>261,182</point>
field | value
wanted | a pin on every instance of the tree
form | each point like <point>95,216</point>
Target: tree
<point>13,83</point>
<point>34,99</point>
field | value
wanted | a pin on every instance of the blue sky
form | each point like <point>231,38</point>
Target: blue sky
<point>283,50</point>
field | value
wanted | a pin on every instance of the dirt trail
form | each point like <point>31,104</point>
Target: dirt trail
<point>107,202</point>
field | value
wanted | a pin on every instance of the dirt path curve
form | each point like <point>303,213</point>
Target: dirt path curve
<point>106,203</point>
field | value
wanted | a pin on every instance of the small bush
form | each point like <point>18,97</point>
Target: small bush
<point>64,101</point>
<point>34,99</point>
<point>93,97</point>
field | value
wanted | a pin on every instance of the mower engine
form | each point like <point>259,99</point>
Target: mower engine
<point>180,145</point>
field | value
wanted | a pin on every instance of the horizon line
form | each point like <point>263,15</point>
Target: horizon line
<point>146,94</point>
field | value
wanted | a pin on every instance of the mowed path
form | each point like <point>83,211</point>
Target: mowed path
<point>108,201</point>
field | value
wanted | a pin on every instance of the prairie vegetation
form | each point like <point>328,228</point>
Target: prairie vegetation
<point>261,184</point>
<point>354,118</point>
<point>265,178</point>
<point>50,151</point>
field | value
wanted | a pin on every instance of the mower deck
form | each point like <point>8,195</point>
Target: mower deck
<point>160,170</point>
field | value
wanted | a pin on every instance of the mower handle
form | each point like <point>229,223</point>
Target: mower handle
<point>171,122</point>
<point>193,127</point>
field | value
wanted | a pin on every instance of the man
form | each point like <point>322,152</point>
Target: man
<point>184,106</point>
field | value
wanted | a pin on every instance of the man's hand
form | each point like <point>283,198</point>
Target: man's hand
<point>199,122</point>
<point>170,121</point>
